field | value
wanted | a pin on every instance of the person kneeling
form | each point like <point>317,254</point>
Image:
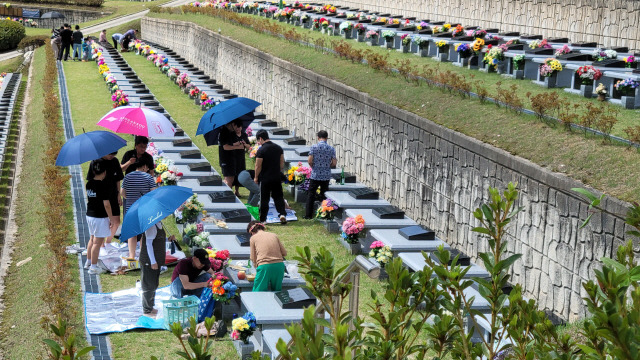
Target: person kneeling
<point>267,253</point>
<point>153,251</point>
<point>187,278</point>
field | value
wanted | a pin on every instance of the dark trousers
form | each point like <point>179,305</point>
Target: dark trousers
<point>271,189</point>
<point>115,43</point>
<point>64,48</point>
<point>125,44</point>
<point>312,197</point>
<point>149,281</point>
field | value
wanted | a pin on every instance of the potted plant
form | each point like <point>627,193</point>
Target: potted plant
<point>464,51</point>
<point>352,229</point>
<point>627,88</point>
<point>443,50</point>
<point>241,330</point>
<point>549,70</point>
<point>388,36</point>
<point>406,43</point>
<point>346,29</point>
<point>422,44</point>
<point>518,66</point>
<point>380,254</point>
<point>326,214</point>
<point>360,29</point>
<point>588,74</point>
<point>601,91</point>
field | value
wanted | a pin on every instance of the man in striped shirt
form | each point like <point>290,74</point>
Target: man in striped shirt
<point>134,185</point>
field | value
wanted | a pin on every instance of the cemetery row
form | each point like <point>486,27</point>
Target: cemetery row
<point>580,68</point>
<point>9,85</point>
<point>224,227</point>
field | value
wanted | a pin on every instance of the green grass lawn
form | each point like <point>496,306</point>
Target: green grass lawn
<point>551,147</point>
<point>21,331</point>
<point>11,65</point>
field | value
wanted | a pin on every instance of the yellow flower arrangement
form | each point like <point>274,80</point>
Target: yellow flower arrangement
<point>446,27</point>
<point>382,19</point>
<point>239,324</point>
<point>478,44</point>
<point>554,64</point>
<point>396,21</point>
<point>441,43</point>
<point>455,47</point>
<point>103,68</point>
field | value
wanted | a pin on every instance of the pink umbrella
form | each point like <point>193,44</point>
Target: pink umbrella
<point>138,121</point>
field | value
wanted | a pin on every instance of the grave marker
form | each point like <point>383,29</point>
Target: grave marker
<point>417,233</point>
<point>388,212</point>
<point>295,298</point>
<point>213,180</point>
<point>237,216</point>
<point>222,197</point>
<point>190,154</point>
<point>201,166</point>
<point>364,194</point>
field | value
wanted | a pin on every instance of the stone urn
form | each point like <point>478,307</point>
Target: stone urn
<point>353,249</point>
<point>501,67</point>
<point>360,37</point>
<point>406,48</point>
<point>388,43</point>
<point>628,102</point>
<point>518,74</point>
<point>424,51</point>
<point>586,90</point>
<point>244,350</point>
<point>442,54</point>
<point>550,81</point>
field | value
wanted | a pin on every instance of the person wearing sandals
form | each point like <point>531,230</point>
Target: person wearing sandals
<point>267,255</point>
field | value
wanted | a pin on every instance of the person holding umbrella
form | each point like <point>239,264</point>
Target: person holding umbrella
<point>112,183</point>
<point>98,214</point>
<point>231,152</point>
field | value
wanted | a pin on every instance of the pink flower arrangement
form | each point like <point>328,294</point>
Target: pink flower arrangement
<point>249,131</point>
<point>352,227</point>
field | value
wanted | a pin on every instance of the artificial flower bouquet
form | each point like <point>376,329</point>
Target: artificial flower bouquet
<point>588,74</point>
<point>629,61</point>
<point>302,173</point>
<point>201,240</point>
<point>626,87</point>
<point>380,252</point>
<point>493,56</point>
<point>464,50</point>
<point>254,150</point>
<point>169,177</point>
<point>601,91</point>
<point>550,67</point>
<point>243,327</point>
<point>565,49</point>
<point>457,31</point>
<point>219,259</point>
<point>477,45</point>
<point>518,62</point>
<point>371,35</point>
<point>119,98</point>
<point>183,80</point>
<point>388,35</point>
<point>352,229</point>
<point>194,92</point>
<point>419,41</point>
<point>291,174</point>
<point>442,45</point>
<point>602,54</point>
<point>346,26</point>
<point>327,210</point>
<point>406,39</point>
<point>188,212</point>
<point>222,288</point>
<point>190,231</point>
<point>537,44</point>
<point>173,73</point>
<point>478,33</point>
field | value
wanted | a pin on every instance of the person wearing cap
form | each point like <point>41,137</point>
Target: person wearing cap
<point>267,253</point>
<point>188,277</point>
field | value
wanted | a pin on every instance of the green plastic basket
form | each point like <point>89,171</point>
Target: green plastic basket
<point>180,310</point>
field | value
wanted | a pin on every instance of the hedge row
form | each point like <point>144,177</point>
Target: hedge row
<point>95,3</point>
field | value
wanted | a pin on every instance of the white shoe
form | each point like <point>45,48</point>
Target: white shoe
<point>163,269</point>
<point>283,220</point>
<point>84,253</point>
<point>87,264</point>
<point>96,271</point>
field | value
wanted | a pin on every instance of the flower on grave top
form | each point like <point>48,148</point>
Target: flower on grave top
<point>565,49</point>
<point>458,30</point>
<point>550,67</point>
<point>601,89</point>
<point>588,74</point>
<point>406,39</point>
<point>478,44</point>
<point>371,34</point>
<point>422,26</point>
<point>346,26</point>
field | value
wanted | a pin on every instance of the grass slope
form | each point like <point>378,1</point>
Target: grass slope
<point>21,333</point>
<point>521,135</point>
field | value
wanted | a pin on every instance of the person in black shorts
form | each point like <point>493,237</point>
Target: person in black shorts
<point>98,214</point>
<point>112,184</point>
<point>229,142</point>
<point>240,154</point>
<point>269,166</point>
<point>138,154</point>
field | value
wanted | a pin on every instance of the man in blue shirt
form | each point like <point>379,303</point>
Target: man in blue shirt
<point>322,157</point>
<point>128,36</point>
<point>117,37</point>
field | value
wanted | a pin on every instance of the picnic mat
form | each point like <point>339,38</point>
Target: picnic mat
<point>112,255</point>
<point>121,311</point>
<point>274,217</point>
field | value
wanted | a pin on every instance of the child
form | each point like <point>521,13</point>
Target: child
<point>86,48</point>
<point>98,214</point>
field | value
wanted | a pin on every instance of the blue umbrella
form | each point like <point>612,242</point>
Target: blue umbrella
<point>89,146</point>
<point>224,113</point>
<point>212,136</point>
<point>153,207</point>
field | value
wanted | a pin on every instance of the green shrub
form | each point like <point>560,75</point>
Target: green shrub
<point>11,32</point>
<point>35,41</point>
<point>93,3</point>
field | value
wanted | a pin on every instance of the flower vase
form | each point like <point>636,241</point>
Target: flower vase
<point>550,81</point>
<point>474,62</point>
<point>353,249</point>
<point>347,34</point>
<point>324,30</point>
<point>332,226</point>
<point>301,195</point>
<point>282,18</point>
<point>360,37</point>
<point>203,107</point>
<point>518,74</point>
<point>443,54</point>
<point>586,90</point>
<point>383,273</point>
<point>463,62</point>
<point>501,67</point>
<point>372,41</point>
<point>628,102</point>
<point>602,97</point>
<point>197,101</point>
<point>185,90</point>
<point>424,52</point>
<point>296,23</point>
<point>244,350</point>
<point>291,189</point>
<point>406,48</point>
<point>388,43</point>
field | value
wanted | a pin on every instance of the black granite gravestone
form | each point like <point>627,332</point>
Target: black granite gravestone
<point>236,216</point>
<point>349,178</point>
<point>408,28</point>
<point>279,131</point>
<point>561,40</point>
<point>226,196</point>
<point>392,26</point>
<point>295,141</point>
<point>243,239</point>
<point>464,38</point>
<point>364,194</point>
<point>417,232</point>
<point>509,33</point>
<point>491,42</point>
<point>492,30</point>
<point>267,123</point>
<point>201,166</point>
<point>425,31</point>
<point>584,44</point>
<point>213,180</point>
<point>620,49</point>
<point>438,23</point>
<point>302,152</point>
<point>443,35</point>
<point>297,298</point>
<point>179,132</point>
<point>610,63</point>
<point>190,154</point>
<point>388,212</point>
<point>515,47</point>
<point>574,57</point>
<point>540,51</point>
<point>182,143</point>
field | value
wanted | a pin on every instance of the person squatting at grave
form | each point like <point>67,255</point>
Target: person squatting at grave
<point>322,158</point>
<point>152,257</point>
<point>112,184</point>
<point>187,278</point>
<point>103,36</point>
<point>267,255</point>
<point>269,166</point>
<point>134,186</point>
<point>127,37</point>
<point>98,214</point>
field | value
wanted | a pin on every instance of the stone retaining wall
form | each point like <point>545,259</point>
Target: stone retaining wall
<point>71,16</point>
<point>438,176</point>
<point>610,23</point>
